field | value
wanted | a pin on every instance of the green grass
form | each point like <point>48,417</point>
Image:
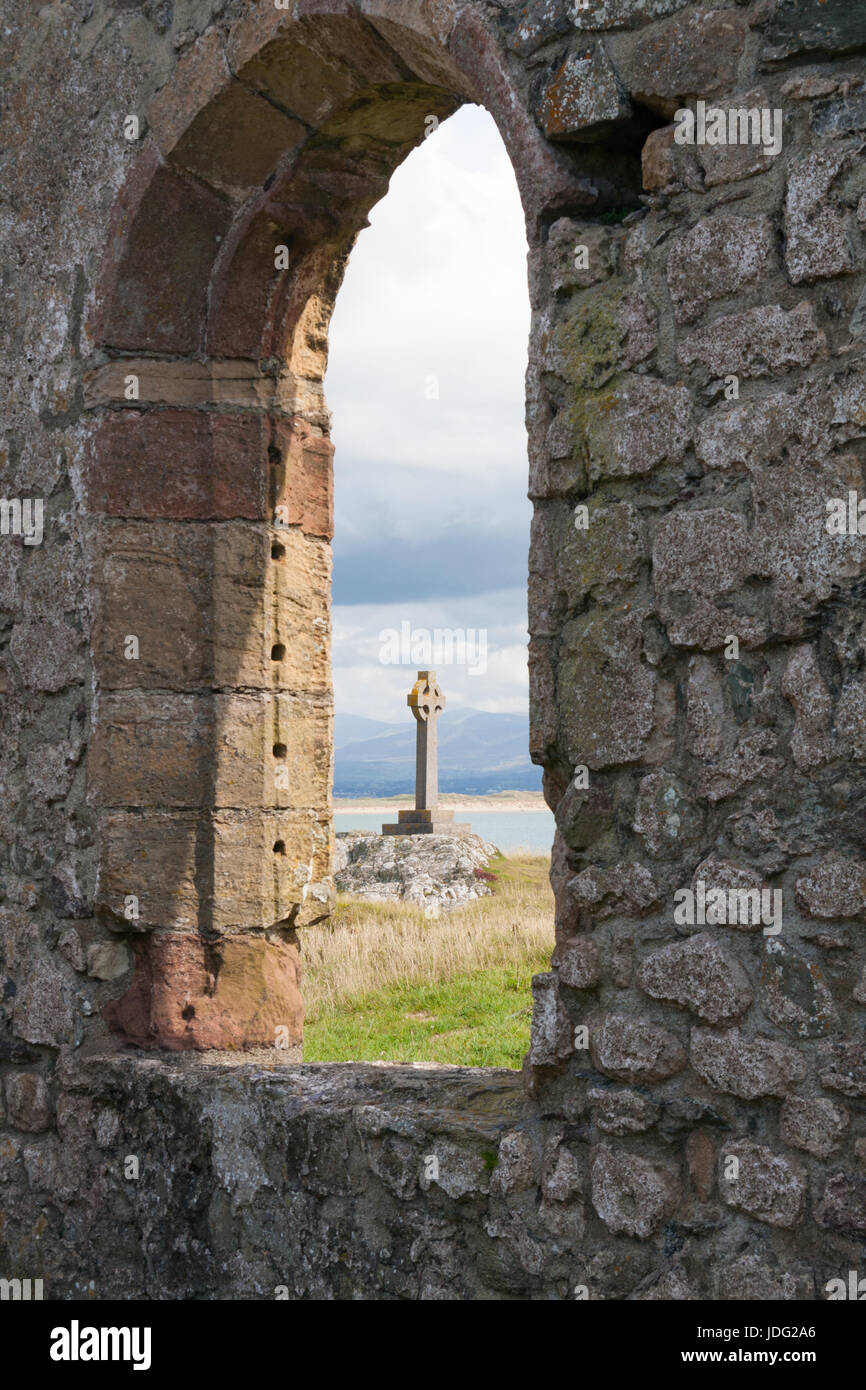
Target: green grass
<point>477,1020</point>
<point>383,983</point>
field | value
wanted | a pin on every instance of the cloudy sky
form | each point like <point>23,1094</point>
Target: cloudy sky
<point>425,381</point>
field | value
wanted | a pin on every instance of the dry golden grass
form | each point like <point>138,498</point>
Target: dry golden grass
<point>370,946</point>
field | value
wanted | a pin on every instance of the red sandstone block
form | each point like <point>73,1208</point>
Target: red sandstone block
<point>179,464</point>
<point>243,287</point>
<point>188,994</point>
<point>311,69</point>
<point>238,140</point>
<point>201,73</point>
<point>154,283</point>
<point>304,481</point>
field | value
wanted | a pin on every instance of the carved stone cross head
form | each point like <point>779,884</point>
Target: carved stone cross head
<point>425,699</point>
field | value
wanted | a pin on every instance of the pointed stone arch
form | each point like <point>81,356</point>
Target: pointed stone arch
<point>209,479</point>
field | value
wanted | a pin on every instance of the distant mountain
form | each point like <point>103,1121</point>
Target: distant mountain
<point>478,753</point>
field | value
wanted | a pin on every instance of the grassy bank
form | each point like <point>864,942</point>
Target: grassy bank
<point>384,983</point>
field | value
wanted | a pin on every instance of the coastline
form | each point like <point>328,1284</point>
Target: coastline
<point>522,802</point>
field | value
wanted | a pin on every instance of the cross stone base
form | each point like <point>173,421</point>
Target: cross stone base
<point>435,822</point>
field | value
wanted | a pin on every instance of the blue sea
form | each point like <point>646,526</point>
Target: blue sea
<point>507,830</point>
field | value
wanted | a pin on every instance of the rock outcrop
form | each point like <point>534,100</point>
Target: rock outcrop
<point>436,872</point>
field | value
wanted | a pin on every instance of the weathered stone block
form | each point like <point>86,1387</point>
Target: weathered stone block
<point>843,1205</point>
<point>568,561</point>
<point>180,465</point>
<point>667,817</point>
<point>306,77</point>
<point>802,684</point>
<point>42,1012</point>
<point>564,241</point>
<point>767,1186</point>
<point>730,163</point>
<point>552,1036</point>
<point>842,1067</point>
<point>834,887</point>
<point>705,708</point>
<point>235,605</point>
<point>689,55</point>
<point>108,960</point>
<point>842,114</point>
<point>701,1163</point>
<point>622,1112</point>
<point>268,867</point>
<point>577,962</point>
<point>625,889</point>
<point>539,22</point>
<point>812,26</point>
<point>749,1278</point>
<point>632,429</point>
<point>303,478</point>
<point>631,1050</point>
<point>818,1126</point>
<point>632,1195</point>
<point>151,749</point>
<point>720,256</point>
<point>185,751</point>
<point>817,240</point>
<point>583,97</point>
<point>745,1067</point>
<point>28,1102</point>
<point>237,140</point>
<point>154,587</point>
<point>699,975</point>
<point>606,331</point>
<point>794,994</point>
<point>148,868</point>
<point>697,557</point>
<point>668,166</point>
<point>272,750</point>
<point>272,613</point>
<point>756,343</point>
<point>606,695</point>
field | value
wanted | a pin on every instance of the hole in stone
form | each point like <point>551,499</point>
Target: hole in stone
<point>280,750</point>
<point>278,551</point>
<point>278,651</point>
<point>279,847</point>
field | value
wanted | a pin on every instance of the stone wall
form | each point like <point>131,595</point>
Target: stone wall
<point>694,1118</point>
